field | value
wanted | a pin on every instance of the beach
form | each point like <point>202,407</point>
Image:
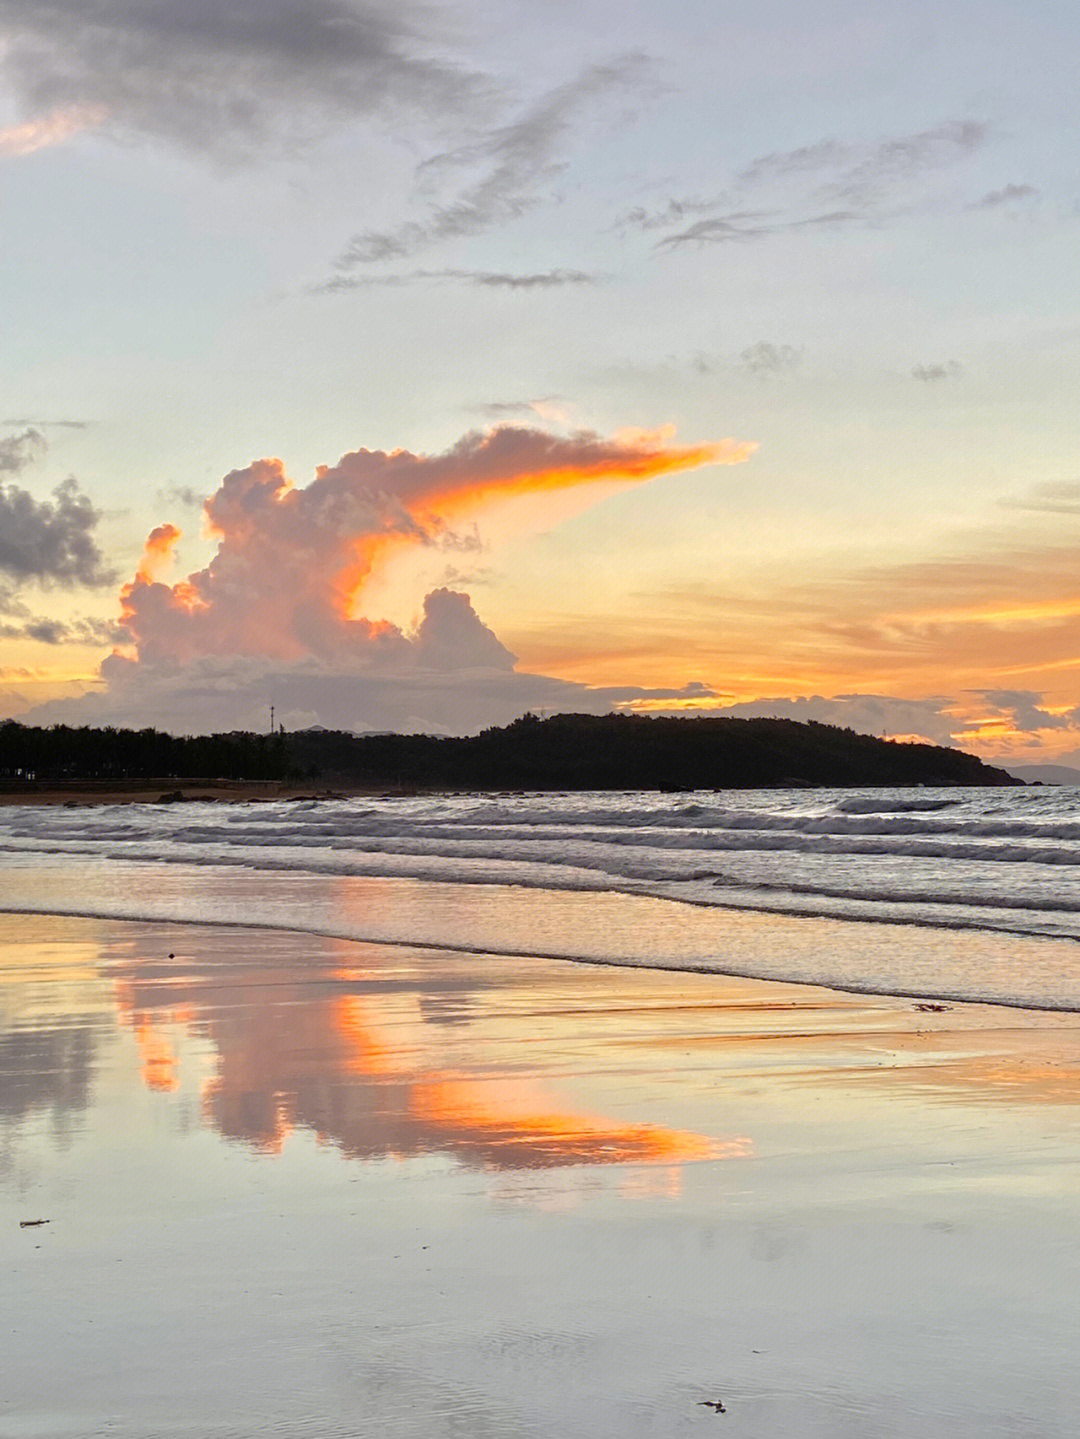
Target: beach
<point>305,1184</point>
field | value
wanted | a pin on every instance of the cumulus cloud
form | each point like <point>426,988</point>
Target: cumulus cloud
<point>278,608</point>
<point>292,562</point>
<point>941,370</point>
<point>224,78</point>
<point>50,541</point>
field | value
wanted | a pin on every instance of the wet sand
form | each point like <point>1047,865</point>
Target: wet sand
<point>298,1185</point>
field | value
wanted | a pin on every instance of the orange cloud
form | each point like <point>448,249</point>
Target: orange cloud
<point>291,562</point>
<point>160,544</point>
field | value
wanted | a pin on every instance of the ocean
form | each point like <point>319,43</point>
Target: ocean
<point>954,894</point>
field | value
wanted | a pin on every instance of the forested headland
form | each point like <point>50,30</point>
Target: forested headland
<point>563,752</point>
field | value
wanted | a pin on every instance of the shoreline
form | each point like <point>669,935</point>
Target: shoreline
<point>929,1002</point>
<point>89,793</point>
<point>92,792</point>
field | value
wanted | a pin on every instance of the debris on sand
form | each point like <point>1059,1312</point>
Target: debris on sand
<point>33,1223</point>
<point>933,1008</point>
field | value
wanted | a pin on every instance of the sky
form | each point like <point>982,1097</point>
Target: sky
<point>413,366</point>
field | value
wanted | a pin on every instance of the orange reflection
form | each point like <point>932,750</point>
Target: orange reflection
<point>496,1133</point>
<point>355,1069</point>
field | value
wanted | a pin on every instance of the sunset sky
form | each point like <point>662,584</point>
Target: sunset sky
<point>412,366</point>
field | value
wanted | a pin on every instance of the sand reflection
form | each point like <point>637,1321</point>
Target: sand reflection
<point>358,1058</point>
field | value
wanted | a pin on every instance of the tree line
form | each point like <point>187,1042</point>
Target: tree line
<point>563,752</point>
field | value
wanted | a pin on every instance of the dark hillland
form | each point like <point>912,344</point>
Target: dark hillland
<point>565,752</point>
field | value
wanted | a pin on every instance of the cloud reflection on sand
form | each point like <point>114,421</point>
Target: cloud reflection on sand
<point>362,1070</point>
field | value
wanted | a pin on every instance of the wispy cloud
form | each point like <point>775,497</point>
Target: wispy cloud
<point>1054,497</point>
<point>498,176</point>
<point>754,225</point>
<point>675,212</point>
<point>484,279</point>
<point>824,185</point>
<point>83,631</point>
<point>548,407</point>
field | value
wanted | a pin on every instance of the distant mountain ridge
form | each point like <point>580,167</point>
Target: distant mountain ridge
<point>1045,773</point>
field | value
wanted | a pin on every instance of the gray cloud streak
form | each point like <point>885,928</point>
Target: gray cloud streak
<point>485,279</point>
<point>508,167</point>
<point>1055,497</point>
<point>47,631</point>
<point>825,185</point>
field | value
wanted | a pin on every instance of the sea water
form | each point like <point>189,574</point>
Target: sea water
<point>957,893</point>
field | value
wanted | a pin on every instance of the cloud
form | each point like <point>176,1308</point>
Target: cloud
<point>1027,710</point>
<point>19,451</point>
<point>50,542</point>
<point>499,176</point>
<point>278,608</point>
<point>985,721</point>
<point>765,359</point>
<point>1005,196</point>
<point>49,130</point>
<point>85,631</point>
<point>451,636</point>
<point>549,407</point>
<point>291,563</point>
<point>228,79</point>
<point>944,370</point>
<point>485,279</point>
<point>457,679</point>
<point>1054,497</point>
<point>741,225</point>
<point>185,495</point>
<point>825,185</point>
<point>675,212</point>
<point>825,154</point>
